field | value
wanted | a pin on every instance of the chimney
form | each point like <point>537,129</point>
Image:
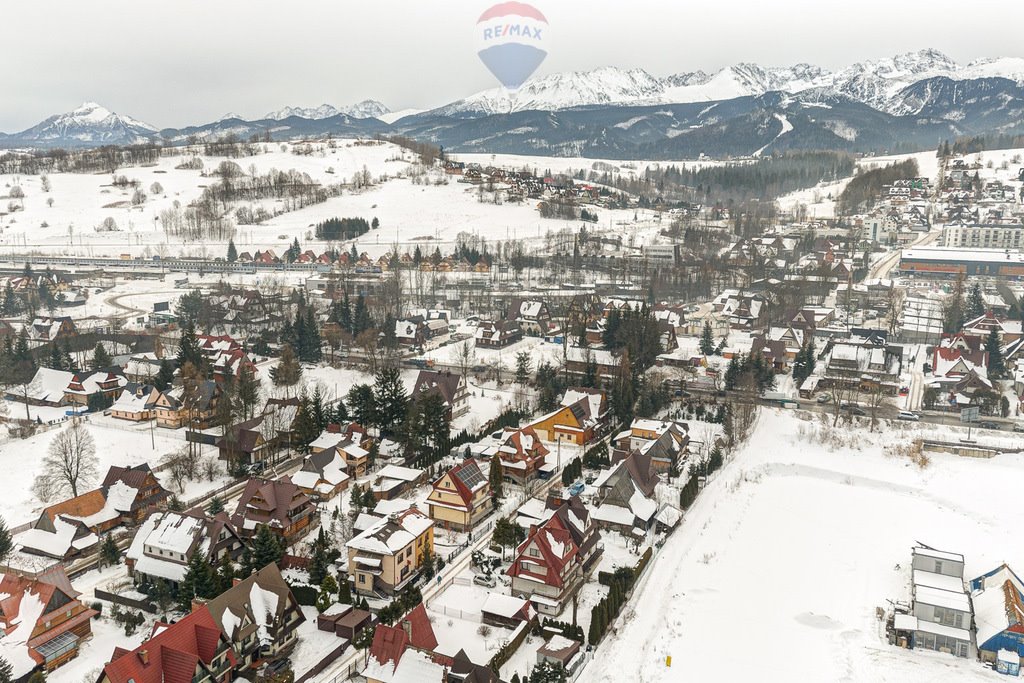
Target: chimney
<point>197,603</point>
<point>407,627</point>
<point>144,657</point>
<point>235,581</point>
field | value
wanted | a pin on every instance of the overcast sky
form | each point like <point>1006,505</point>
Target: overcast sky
<point>190,61</point>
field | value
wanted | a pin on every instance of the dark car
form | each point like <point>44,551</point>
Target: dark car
<point>986,424</point>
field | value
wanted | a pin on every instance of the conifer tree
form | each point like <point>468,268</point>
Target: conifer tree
<point>165,376</point>
<point>496,478</point>
<point>232,251</point>
<point>266,549</point>
<point>198,582</point>
<point>994,349</point>
<point>707,340</point>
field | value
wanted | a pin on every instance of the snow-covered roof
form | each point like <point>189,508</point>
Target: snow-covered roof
<point>613,514</point>
<point>54,544</point>
<point>14,645</point>
<point>390,535</point>
<point>400,473</point>
<point>505,606</point>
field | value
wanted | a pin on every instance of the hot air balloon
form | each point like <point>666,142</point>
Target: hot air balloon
<point>510,39</point>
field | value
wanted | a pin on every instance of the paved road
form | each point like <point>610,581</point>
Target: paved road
<point>886,264</point>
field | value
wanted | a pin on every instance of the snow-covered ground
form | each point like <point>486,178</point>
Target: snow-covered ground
<point>410,214</point>
<point>118,442</point>
<point>777,570</point>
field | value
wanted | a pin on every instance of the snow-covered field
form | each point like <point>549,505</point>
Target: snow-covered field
<point>118,442</point>
<point>776,572</point>
<point>427,215</point>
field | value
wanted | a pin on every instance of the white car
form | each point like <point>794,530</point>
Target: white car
<point>909,416</point>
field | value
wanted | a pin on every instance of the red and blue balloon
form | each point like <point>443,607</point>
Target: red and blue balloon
<point>511,39</point>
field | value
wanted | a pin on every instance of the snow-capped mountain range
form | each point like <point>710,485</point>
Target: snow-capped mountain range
<point>875,83</point>
<point>367,109</point>
<point>906,101</point>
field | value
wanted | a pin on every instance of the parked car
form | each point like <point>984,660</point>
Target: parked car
<point>485,580</point>
<point>277,666</point>
<point>824,398</point>
<point>1018,427</point>
<point>907,415</point>
<point>257,467</point>
<point>987,424</point>
<point>853,409</point>
<point>576,489</point>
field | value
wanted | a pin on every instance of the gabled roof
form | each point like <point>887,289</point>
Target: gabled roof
<point>257,604</point>
<point>275,497</point>
<point>467,479</point>
<point>445,384</point>
<point>172,652</point>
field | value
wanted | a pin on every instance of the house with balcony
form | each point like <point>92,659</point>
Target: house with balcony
<point>166,541</point>
<point>190,650</point>
<point>386,557</point>
<point>547,569</point>
<point>150,492</point>
<point>42,622</point>
<point>664,441</point>
<point>323,475</point>
<point>497,334</point>
<point>460,497</point>
<point>174,410</point>
<point>259,616</point>
<point>279,504</point>
<point>450,386</point>
<point>523,455</point>
<point>350,441</point>
<point>579,419</point>
<point>532,315</point>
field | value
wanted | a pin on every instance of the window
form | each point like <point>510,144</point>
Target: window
<point>362,578</point>
<point>534,552</point>
<point>938,567</point>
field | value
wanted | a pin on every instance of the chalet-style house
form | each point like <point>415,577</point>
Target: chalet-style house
<point>532,316</point>
<point>450,386</point>
<point>350,441</point>
<point>547,569</point>
<point>866,363</point>
<point>743,312</point>
<point>45,329</point>
<point>579,419</point>
<point>386,557</point>
<point>497,334</point>
<point>405,652</point>
<point>136,403</point>
<point>61,388</point>
<point>523,455</point>
<point>151,493</point>
<point>323,475</point>
<point>191,650</point>
<point>460,497</point>
<point>166,542</point>
<point>626,494</point>
<point>74,526</point>
<point>256,439</point>
<point>664,442</point>
<point>259,616</point>
<point>279,504</point>
<point>174,412</point>
<point>42,622</point>
<point>779,346</point>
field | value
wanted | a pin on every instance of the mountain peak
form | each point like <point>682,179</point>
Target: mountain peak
<point>367,109</point>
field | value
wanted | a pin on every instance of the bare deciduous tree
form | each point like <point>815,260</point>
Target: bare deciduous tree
<point>70,462</point>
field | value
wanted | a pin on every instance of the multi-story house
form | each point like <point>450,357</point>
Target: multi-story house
<point>532,316</point>
<point>387,556</point>
<point>174,410</point>
<point>460,497</point>
<point>191,650</point>
<point>259,616</point>
<point>42,622</point>
<point>166,542</point>
<point>497,334</point>
<point>547,569</point>
<point>626,494</point>
<point>279,504</point>
<point>450,386</point>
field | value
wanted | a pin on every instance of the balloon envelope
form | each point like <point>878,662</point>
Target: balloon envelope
<point>511,41</point>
